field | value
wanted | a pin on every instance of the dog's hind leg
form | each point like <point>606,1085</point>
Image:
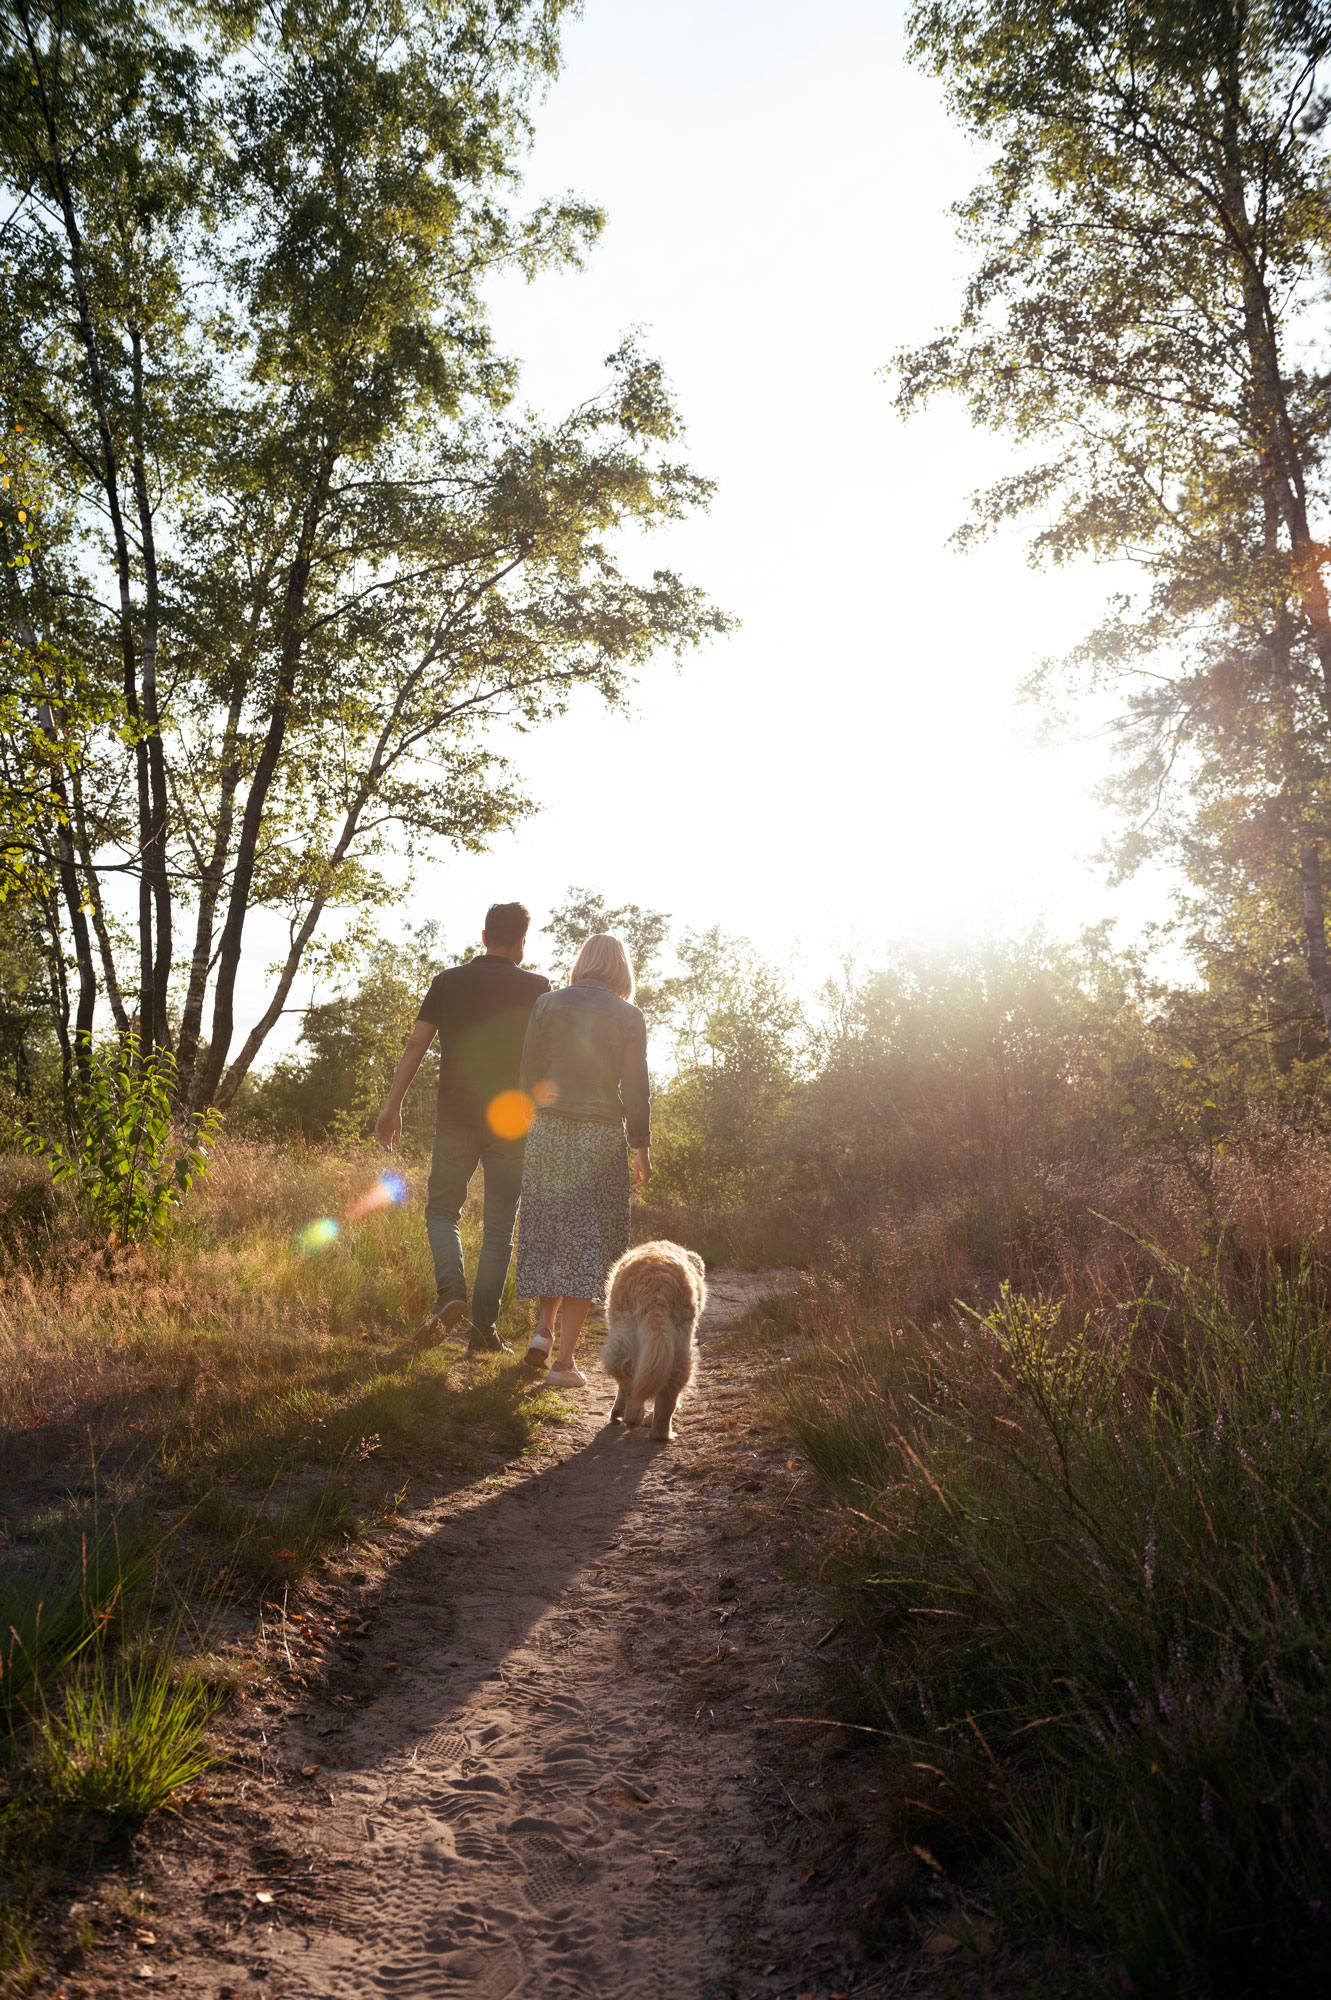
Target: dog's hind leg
<point>662,1412</point>
<point>617,1411</point>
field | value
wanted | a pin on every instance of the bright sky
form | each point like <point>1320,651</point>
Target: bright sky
<point>852,762</point>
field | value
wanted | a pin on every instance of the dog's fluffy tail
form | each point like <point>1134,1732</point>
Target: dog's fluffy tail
<point>657,1354</point>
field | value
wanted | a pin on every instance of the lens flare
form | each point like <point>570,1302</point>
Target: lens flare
<point>317,1236</point>
<point>510,1114</point>
<point>386,1192</point>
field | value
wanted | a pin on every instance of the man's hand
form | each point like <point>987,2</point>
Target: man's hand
<point>388,1125</point>
<point>642,1166</point>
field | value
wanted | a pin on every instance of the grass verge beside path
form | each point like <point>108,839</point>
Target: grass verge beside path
<point>189,1437</point>
<point>1086,1559</point>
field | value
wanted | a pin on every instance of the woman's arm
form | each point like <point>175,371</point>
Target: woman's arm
<point>532,1049</point>
<point>634,1087</point>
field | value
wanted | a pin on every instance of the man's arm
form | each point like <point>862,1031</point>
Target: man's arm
<point>388,1125</point>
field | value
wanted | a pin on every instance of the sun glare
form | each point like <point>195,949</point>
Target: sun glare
<point>317,1236</point>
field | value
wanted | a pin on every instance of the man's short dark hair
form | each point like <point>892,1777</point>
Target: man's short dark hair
<point>507,923</point>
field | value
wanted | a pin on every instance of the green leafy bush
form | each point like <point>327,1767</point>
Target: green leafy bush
<point>127,1161</point>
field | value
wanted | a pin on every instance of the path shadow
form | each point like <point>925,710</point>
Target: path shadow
<point>540,1534</point>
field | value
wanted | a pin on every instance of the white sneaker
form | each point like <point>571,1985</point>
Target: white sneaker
<point>538,1354</point>
<point>566,1378</point>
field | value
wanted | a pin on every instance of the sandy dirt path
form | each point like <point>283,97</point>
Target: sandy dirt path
<point>553,1769</point>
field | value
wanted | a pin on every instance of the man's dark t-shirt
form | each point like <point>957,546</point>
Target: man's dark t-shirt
<point>481,1011</point>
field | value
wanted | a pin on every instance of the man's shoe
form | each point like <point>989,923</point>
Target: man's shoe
<point>481,1342</point>
<point>444,1315</point>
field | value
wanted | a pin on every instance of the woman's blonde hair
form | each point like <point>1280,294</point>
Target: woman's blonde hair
<point>603,957</point>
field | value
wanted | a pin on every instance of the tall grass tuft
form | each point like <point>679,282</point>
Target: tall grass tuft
<point>69,1597</point>
<point>124,1739</point>
<point>1092,1556</point>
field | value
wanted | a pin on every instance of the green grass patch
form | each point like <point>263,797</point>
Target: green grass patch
<point>76,1586</point>
<point>124,1738</point>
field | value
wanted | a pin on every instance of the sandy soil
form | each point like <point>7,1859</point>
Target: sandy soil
<point>544,1758</point>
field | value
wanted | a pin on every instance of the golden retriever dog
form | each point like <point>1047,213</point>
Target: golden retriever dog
<point>653,1301</point>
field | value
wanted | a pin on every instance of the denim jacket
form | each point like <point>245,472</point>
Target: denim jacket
<point>585,1056</point>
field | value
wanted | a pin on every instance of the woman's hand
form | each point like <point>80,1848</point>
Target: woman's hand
<point>642,1166</point>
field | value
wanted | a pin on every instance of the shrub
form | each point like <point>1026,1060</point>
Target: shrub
<point>128,1164</point>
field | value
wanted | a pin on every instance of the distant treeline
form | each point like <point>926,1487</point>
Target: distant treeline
<point>933,1069</point>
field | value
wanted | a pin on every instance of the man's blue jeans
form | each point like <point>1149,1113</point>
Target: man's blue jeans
<point>458,1151</point>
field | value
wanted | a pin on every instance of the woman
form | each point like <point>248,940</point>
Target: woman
<point>584,1065</point>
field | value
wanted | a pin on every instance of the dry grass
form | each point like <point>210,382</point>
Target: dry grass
<point>1080,1226</point>
<point>210,1341</point>
<point>749,1239</point>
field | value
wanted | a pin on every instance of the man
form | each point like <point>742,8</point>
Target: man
<point>479,1012</point>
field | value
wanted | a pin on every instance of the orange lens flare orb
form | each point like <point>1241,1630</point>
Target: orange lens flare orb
<point>509,1115</point>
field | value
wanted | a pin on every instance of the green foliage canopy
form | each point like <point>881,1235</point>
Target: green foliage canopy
<point>313,548</point>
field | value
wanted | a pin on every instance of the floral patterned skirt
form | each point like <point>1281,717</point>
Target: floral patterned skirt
<point>574,1218</point>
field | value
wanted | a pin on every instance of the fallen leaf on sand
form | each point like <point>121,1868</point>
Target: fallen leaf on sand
<point>145,1937</point>
<point>392,1667</point>
<point>263,1895</point>
<point>929,1860</point>
<point>309,1770</point>
<point>286,1555</point>
<point>959,1932</point>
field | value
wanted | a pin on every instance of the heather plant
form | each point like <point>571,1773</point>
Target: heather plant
<point>1089,1560</point>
